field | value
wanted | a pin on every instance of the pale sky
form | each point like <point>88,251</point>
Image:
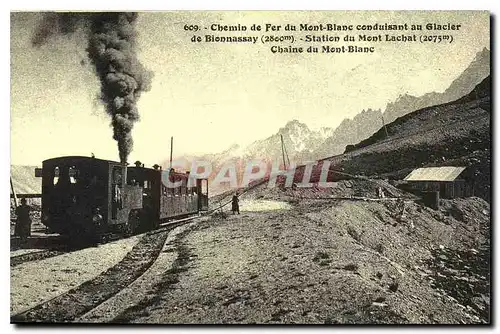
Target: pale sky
<point>210,96</point>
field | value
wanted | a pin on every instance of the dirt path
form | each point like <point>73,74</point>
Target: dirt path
<point>138,292</point>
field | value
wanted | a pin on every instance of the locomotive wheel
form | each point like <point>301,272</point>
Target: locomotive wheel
<point>104,239</point>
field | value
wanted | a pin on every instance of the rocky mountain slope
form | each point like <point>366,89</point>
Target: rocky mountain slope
<point>477,70</point>
<point>350,131</point>
<point>453,134</point>
<point>297,137</point>
<point>367,122</point>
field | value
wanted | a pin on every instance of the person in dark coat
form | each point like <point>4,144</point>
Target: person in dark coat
<point>235,206</point>
<point>23,223</point>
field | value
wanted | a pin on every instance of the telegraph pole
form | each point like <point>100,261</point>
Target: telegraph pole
<point>286,153</point>
<point>13,192</point>
<point>283,151</point>
<point>171,151</point>
<point>385,128</point>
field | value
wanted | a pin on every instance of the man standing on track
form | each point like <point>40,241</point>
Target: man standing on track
<point>235,206</point>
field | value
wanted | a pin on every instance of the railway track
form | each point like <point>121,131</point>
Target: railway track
<point>74,303</point>
<point>35,256</point>
<point>64,249</point>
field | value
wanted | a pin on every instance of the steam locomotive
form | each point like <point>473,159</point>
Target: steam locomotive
<point>87,198</point>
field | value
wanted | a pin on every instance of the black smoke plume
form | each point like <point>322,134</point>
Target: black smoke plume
<point>112,51</point>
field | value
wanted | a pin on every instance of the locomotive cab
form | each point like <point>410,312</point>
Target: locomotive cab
<point>86,197</point>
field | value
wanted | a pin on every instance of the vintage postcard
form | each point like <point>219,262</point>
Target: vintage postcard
<point>250,167</point>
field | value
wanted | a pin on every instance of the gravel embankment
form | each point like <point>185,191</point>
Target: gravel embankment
<point>321,262</point>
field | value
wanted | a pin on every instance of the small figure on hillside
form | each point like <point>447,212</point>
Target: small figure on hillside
<point>380,192</point>
<point>235,206</point>
<point>23,223</point>
<point>401,208</point>
<point>394,286</point>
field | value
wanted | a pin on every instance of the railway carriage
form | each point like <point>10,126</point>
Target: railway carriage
<point>89,198</point>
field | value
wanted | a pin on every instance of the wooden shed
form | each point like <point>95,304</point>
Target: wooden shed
<point>449,181</point>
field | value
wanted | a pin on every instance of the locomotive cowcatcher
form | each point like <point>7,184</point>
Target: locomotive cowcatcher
<point>89,198</point>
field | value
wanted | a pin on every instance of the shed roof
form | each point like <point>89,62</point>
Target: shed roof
<point>435,174</point>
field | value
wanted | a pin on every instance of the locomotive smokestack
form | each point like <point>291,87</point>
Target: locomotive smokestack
<point>111,50</point>
<point>124,173</point>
